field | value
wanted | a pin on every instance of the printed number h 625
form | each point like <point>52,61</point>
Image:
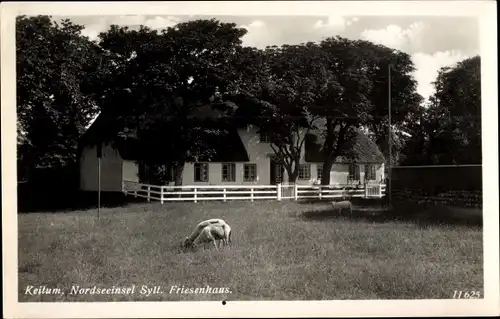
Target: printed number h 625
<point>466,294</point>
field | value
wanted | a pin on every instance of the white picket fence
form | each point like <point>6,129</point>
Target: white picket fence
<point>250,192</point>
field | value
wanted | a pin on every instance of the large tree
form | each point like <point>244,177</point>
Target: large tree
<point>361,68</point>
<point>286,82</point>
<point>386,65</point>
<point>52,61</point>
<point>332,87</point>
<point>164,80</point>
<point>347,107</point>
<point>454,115</point>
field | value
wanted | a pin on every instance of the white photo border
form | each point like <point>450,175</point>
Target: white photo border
<point>485,11</point>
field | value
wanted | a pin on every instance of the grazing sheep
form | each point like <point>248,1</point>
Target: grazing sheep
<point>339,206</point>
<point>189,240</point>
<point>213,233</point>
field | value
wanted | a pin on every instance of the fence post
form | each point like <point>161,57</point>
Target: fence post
<point>124,188</point>
<point>149,193</point>
<point>161,194</point>
<point>224,191</point>
<point>320,192</point>
<point>295,192</point>
<point>251,194</point>
<point>135,192</point>
<point>195,191</point>
<point>278,190</point>
<point>380,190</point>
<point>366,190</point>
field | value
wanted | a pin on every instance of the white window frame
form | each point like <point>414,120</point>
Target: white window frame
<point>228,169</point>
<point>354,176</point>
<point>319,172</point>
<point>204,168</point>
<point>304,172</point>
<point>247,170</point>
<point>278,173</point>
<point>370,172</point>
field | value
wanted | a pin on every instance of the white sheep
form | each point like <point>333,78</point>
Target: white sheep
<point>196,232</point>
<point>213,233</point>
<point>339,206</point>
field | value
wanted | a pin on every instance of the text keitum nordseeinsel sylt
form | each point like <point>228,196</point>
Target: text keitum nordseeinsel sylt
<point>124,290</point>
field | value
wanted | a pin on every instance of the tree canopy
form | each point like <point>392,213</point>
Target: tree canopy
<point>334,88</point>
<point>156,83</point>
<point>52,61</point>
<point>450,128</point>
<point>169,89</point>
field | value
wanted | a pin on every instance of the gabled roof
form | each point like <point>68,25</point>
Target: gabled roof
<point>104,128</point>
<point>358,149</point>
<point>228,147</point>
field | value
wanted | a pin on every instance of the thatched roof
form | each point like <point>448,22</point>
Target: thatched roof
<point>105,129</point>
<point>228,147</point>
<point>358,149</point>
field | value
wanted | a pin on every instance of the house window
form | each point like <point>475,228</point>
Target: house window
<point>370,174</point>
<point>250,172</point>
<point>304,171</point>
<point>201,172</point>
<point>319,172</point>
<point>264,137</point>
<point>228,172</point>
<point>354,172</point>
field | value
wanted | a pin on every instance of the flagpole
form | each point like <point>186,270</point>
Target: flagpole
<point>99,153</point>
<point>390,140</point>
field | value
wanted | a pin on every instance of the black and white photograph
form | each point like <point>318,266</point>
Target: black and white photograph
<point>261,158</point>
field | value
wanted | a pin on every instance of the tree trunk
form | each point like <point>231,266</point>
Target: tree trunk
<point>293,170</point>
<point>179,169</point>
<point>327,166</point>
<point>292,177</point>
<point>332,148</point>
<point>289,171</point>
<point>328,147</point>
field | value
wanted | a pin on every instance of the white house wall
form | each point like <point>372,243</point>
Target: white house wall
<point>215,175</point>
<point>130,171</point>
<point>260,153</point>
<point>114,170</point>
<point>111,170</point>
<point>339,174</point>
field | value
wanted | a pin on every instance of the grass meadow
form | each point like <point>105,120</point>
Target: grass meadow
<point>281,251</point>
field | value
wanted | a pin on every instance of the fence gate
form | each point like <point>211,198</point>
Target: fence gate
<point>286,191</point>
<point>373,190</point>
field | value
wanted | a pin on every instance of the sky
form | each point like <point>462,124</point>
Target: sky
<point>432,41</point>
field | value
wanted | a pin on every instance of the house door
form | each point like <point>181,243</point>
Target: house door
<point>276,172</point>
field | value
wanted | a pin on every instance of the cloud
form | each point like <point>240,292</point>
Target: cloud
<point>428,65</point>
<point>93,29</point>
<point>130,20</point>
<point>92,32</point>
<point>393,36</point>
<point>337,23</point>
<point>431,48</point>
<point>260,35</point>
<point>333,24</point>
<point>159,23</point>
<point>432,43</point>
